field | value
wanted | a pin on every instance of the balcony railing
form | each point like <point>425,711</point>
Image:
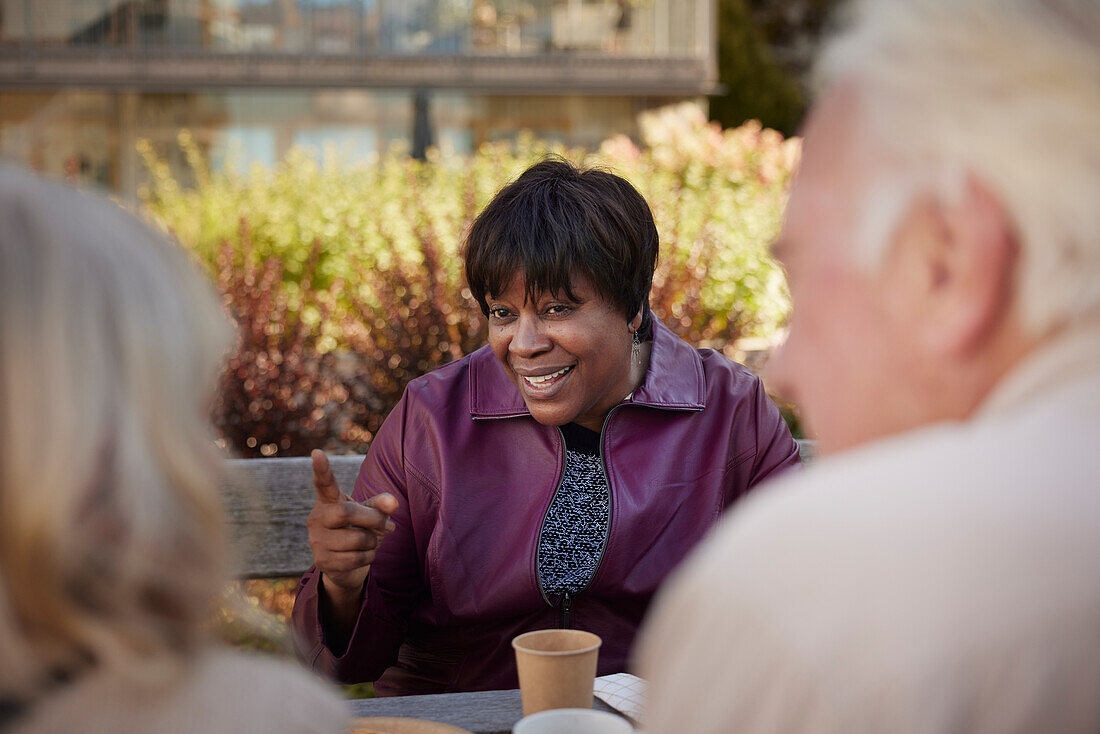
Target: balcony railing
<point>620,28</point>
<point>46,67</point>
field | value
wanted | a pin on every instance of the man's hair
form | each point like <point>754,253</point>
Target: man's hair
<point>1005,90</point>
<point>557,221</point>
<point>112,546</point>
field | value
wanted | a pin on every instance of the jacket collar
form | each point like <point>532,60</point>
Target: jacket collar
<point>673,381</point>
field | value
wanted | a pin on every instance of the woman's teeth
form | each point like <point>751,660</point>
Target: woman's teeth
<point>542,379</point>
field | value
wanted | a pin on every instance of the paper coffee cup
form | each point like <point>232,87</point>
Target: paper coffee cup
<point>556,669</point>
<point>573,721</point>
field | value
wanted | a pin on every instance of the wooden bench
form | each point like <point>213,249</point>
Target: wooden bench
<point>267,501</point>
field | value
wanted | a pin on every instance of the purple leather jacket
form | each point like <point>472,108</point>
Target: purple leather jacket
<point>473,474</point>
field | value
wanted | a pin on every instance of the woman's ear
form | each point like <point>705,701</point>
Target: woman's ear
<point>636,322</point>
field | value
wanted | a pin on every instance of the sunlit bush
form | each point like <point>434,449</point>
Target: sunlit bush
<point>347,280</point>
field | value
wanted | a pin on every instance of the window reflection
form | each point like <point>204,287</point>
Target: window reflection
<point>91,137</point>
<point>349,145</point>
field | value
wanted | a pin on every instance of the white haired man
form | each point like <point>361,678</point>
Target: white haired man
<point>938,570</point>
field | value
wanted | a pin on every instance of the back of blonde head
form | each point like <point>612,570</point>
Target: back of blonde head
<point>111,540</point>
<point>1006,90</point>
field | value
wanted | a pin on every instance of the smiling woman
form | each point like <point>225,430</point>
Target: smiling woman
<point>552,478</point>
<point>561,262</point>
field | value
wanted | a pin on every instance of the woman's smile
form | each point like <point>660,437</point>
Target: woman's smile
<point>544,385</point>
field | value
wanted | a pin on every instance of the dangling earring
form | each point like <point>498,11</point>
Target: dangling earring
<point>636,347</point>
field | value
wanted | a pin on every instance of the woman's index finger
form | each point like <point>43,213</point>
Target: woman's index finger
<point>323,479</point>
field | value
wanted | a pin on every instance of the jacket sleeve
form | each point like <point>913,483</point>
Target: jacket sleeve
<point>393,583</point>
<point>776,449</point>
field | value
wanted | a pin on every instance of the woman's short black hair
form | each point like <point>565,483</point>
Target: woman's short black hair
<point>557,221</point>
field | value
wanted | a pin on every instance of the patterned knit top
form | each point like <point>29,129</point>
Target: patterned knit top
<point>575,528</point>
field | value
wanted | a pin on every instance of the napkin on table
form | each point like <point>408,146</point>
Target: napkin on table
<point>624,693</point>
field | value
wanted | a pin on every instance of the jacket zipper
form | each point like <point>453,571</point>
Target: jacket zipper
<point>610,500</point>
<point>567,600</point>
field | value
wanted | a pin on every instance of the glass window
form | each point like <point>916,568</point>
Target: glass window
<point>99,22</point>
<point>92,137</point>
<point>350,145</point>
<point>339,26</point>
<point>239,148</point>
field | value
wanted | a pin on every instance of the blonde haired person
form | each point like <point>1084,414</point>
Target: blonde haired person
<point>938,571</point>
<point>112,550</point>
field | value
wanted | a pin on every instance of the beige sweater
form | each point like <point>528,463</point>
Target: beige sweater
<point>940,582</point>
<point>224,693</point>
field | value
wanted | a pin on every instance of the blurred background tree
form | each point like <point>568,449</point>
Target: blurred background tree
<point>765,50</point>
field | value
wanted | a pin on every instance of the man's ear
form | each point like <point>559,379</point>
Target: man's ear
<point>949,276</point>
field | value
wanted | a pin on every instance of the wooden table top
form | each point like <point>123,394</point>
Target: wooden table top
<point>482,712</point>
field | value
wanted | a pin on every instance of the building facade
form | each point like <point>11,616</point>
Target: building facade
<point>82,81</point>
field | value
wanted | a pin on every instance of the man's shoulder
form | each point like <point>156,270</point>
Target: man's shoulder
<point>944,559</point>
<point>996,512</point>
<point>1016,457</point>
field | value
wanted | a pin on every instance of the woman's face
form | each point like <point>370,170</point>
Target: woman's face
<point>569,359</point>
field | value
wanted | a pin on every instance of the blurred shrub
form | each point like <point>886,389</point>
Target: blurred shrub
<point>280,391</point>
<point>419,317</point>
<point>347,281</point>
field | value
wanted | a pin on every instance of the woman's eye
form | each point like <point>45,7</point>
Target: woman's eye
<point>558,309</point>
<point>498,313</point>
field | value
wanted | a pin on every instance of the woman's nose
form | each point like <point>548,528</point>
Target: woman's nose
<point>529,338</point>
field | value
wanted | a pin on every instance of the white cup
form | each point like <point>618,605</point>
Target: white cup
<point>572,721</point>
